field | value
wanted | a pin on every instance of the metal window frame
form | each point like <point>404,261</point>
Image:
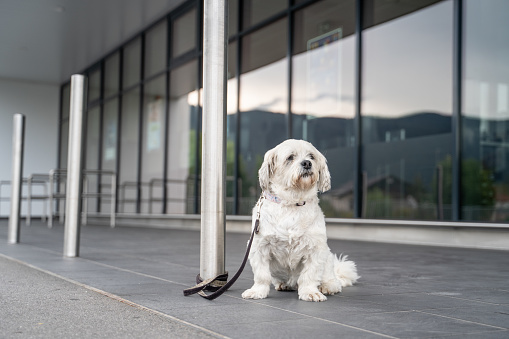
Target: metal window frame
<point>358,166</point>
<point>457,109</point>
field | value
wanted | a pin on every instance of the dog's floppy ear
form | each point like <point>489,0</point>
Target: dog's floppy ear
<point>324,182</point>
<point>267,169</point>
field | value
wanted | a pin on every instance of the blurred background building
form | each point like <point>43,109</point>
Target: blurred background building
<point>407,99</point>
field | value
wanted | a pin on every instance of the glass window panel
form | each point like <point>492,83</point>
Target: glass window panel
<point>110,134</point>
<point>322,93</point>
<point>256,11</point>
<point>233,17</point>
<point>184,33</point>
<point>183,136</point>
<point>109,147</point>
<point>129,138</point>
<point>378,12</point>
<point>485,165</point>
<point>66,101</point>
<point>92,139</point>
<point>406,112</point>
<point>263,103</point>
<point>152,153</point>
<point>111,75</point>
<point>94,85</point>
<point>64,144</point>
<point>92,156</point>
<point>155,49</point>
<point>265,46</point>
<point>132,64</point>
<point>231,129</point>
<point>232,65</point>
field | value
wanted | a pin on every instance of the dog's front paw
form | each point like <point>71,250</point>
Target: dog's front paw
<point>313,296</point>
<point>259,292</point>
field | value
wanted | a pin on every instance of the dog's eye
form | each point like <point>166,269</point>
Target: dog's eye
<point>312,157</point>
<point>290,158</point>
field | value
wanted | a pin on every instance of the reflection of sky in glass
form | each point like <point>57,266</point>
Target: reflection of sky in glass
<point>407,69</point>
<point>408,64</point>
<point>323,83</point>
<point>486,55</point>
<point>265,88</point>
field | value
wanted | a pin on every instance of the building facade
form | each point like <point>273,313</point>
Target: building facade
<point>408,100</point>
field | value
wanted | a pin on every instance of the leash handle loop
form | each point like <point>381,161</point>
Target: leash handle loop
<point>208,283</point>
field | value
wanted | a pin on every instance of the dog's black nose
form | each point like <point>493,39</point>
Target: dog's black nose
<point>306,164</point>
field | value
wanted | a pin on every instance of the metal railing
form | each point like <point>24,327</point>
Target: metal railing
<point>55,194</point>
<point>152,186</point>
<point>122,193</point>
<point>168,182</point>
<point>2,184</point>
<point>157,183</point>
<point>37,179</point>
<point>99,195</point>
<point>29,196</point>
<point>54,186</point>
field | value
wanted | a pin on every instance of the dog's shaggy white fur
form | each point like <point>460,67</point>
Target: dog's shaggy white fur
<point>290,251</point>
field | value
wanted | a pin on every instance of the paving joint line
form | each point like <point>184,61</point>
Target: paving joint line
<point>104,265</point>
<point>465,299</point>
<point>116,297</point>
<point>317,318</point>
<point>462,320</point>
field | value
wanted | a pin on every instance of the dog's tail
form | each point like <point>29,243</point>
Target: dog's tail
<point>345,270</point>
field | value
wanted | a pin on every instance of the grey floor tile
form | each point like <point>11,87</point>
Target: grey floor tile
<point>419,301</point>
<point>217,316</point>
<point>423,325</point>
<point>333,309</point>
<point>497,334</point>
<point>301,328</point>
<point>488,315</point>
<point>492,296</point>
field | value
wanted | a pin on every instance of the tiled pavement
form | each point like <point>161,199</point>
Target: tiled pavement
<point>404,291</point>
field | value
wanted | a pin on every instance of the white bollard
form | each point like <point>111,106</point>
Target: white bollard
<point>74,170</point>
<point>213,194</point>
<point>18,141</point>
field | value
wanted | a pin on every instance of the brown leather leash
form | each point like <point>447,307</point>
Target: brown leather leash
<point>218,284</point>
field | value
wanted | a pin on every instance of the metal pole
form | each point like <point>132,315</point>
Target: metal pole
<point>213,176</point>
<point>18,141</point>
<point>457,108</point>
<point>359,199</point>
<point>74,184</point>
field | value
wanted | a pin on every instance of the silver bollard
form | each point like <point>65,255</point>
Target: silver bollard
<point>18,141</point>
<point>74,170</point>
<point>212,257</point>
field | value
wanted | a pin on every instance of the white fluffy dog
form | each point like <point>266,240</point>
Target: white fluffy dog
<point>290,250</point>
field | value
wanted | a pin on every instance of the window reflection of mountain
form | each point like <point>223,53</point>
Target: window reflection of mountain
<point>269,128</point>
<point>427,141</point>
<point>262,130</point>
<point>376,129</point>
